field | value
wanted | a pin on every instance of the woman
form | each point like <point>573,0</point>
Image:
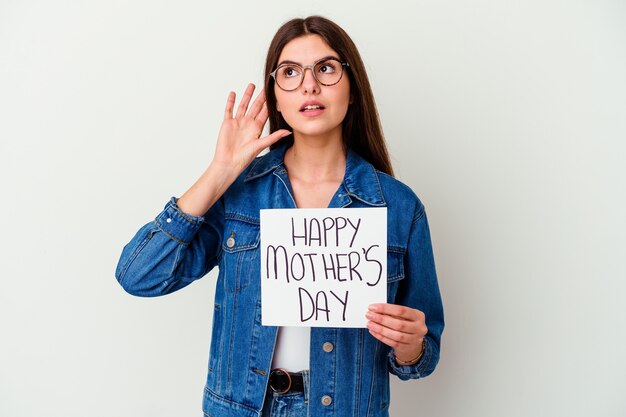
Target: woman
<point>327,150</point>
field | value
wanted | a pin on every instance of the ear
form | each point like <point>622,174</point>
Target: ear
<point>278,107</point>
<point>351,99</point>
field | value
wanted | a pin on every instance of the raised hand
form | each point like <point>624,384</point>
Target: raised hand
<point>239,139</point>
<point>238,144</point>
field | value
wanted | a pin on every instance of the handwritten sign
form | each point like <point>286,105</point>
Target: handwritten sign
<point>322,267</point>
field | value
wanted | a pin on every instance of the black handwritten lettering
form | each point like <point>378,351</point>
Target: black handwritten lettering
<point>343,302</point>
<point>293,232</point>
<point>328,223</point>
<point>356,229</point>
<point>327,268</point>
<point>338,256</point>
<point>338,228</point>
<point>315,232</point>
<point>271,249</point>
<point>310,256</point>
<point>380,267</point>
<point>293,274</point>
<point>319,306</point>
<point>318,303</point>
<point>302,319</point>
<point>352,266</point>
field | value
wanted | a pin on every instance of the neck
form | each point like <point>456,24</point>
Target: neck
<point>313,158</point>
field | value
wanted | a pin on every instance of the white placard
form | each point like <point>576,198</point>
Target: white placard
<point>322,267</point>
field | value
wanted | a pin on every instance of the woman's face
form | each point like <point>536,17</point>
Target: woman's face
<point>327,105</point>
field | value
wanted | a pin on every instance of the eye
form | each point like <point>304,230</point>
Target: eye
<point>290,71</point>
<point>326,67</point>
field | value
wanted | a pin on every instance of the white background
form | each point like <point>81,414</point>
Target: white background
<point>507,118</point>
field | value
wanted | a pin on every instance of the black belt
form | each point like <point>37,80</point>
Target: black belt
<point>283,382</point>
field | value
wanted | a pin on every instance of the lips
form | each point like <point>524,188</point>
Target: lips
<point>311,105</point>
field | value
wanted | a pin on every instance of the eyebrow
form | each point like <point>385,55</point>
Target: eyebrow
<point>297,63</point>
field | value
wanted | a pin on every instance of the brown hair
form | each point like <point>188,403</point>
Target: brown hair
<point>362,131</point>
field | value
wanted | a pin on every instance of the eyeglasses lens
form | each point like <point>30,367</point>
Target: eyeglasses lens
<point>290,76</point>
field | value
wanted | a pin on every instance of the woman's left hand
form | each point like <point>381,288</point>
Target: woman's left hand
<point>402,328</point>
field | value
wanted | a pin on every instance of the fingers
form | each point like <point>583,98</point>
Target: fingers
<point>394,338</point>
<point>395,325</point>
<point>390,322</point>
<point>263,114</point>
<point>389,341</point>
<point>257,111</point>
<point>398,330</point>
<point>245,100</point>
<point>230,104</point>
<point>396,310</point>
<point>257,105</point>
<point>268,140</point>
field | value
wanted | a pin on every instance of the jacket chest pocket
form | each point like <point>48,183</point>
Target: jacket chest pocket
<point>241,260</point>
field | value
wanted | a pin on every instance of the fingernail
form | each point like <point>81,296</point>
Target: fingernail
<point>373,307</point>
<point>285,134</point>
<point>369,315</point>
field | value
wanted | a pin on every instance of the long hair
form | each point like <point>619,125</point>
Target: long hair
<point>361,129</point>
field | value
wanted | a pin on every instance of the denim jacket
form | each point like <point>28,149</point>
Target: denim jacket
<point>176,249</point>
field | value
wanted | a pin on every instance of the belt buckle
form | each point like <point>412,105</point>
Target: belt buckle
<point>278,372</point>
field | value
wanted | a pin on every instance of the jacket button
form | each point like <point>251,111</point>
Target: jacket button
<point>230,242</point>
<point>169,220</point>
<point>327,400</point>
<point>328,347</point>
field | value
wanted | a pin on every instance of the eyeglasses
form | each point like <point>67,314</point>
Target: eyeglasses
<point>326,71</point>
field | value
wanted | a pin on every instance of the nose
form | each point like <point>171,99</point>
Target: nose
<point>309,83</point>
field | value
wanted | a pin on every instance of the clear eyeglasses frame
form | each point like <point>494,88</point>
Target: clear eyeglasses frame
<point>293,82</point>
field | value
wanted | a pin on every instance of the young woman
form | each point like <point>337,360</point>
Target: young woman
<point>327,150</point>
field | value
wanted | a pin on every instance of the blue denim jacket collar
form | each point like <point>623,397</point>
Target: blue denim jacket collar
<point>360,179</point>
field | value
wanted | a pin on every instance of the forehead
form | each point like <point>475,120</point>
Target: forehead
<point>306,50</point>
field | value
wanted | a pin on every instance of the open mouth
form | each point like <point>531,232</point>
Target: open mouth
<point>311,107</point>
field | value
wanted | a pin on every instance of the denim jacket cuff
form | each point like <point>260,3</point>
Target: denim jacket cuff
<point>415,371</point>
<point>178,225</point>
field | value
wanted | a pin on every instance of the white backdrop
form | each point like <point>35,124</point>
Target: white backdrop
<point>507,118</point>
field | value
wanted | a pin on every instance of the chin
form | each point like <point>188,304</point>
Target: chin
<point>314,129</point>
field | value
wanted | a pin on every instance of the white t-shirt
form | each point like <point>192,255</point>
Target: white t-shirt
<point>293,346</point>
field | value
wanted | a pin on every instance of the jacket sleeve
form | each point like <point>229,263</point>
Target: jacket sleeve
<point>420,290</point>
<point>171,252</point>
